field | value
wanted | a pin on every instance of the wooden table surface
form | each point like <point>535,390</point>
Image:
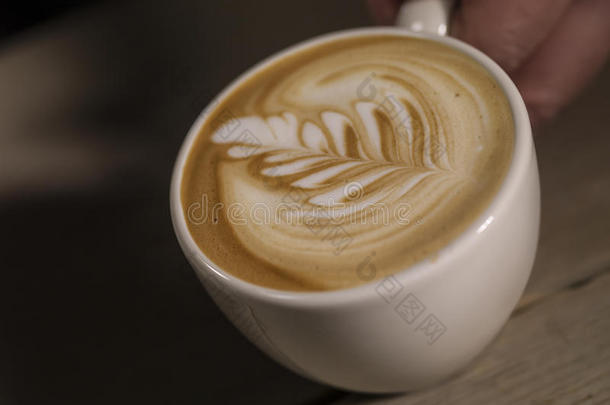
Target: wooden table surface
<point>97,303</point>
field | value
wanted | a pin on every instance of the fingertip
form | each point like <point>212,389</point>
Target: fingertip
<point>383,11</point>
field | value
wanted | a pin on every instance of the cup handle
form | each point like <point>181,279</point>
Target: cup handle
<point>429,16</point>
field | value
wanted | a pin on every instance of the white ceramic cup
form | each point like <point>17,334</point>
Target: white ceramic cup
<point>419,326</point>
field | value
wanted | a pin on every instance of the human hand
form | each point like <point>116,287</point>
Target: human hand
<point>550,48</point>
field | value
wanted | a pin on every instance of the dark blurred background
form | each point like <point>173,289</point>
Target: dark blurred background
<point>16,16</point>
<point>97,303</point>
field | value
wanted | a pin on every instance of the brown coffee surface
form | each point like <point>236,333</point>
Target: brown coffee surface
<point>346,161</point>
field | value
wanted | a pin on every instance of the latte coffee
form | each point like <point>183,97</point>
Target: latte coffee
<point>346,161</point>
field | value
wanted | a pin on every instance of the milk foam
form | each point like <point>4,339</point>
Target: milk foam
<point>376,147</point>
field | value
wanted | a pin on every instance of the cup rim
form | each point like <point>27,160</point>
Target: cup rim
<point>523,148</point>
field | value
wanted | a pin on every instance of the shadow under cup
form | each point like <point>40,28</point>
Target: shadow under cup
<point>415,327</point>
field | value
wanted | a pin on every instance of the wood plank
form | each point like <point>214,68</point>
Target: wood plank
<point>557,352</point>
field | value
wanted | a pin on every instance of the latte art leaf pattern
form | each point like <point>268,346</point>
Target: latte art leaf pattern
<point>384,164</point>
<point>382,144</point>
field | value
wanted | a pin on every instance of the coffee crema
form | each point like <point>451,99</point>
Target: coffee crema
<point>346,161</point>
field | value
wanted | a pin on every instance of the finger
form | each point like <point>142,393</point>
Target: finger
<point>507,30</point>
<point>567,60</point>
<point>384,11</point>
